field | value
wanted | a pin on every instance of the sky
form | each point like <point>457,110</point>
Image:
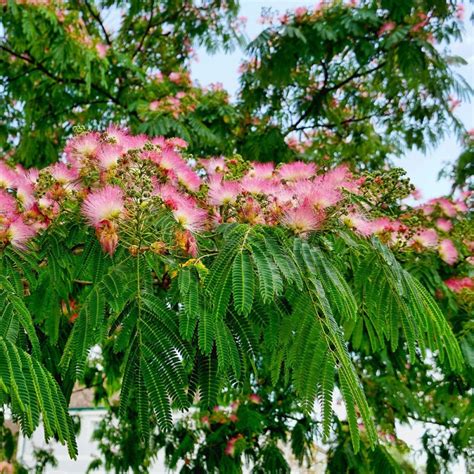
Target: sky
<point>422,168</point>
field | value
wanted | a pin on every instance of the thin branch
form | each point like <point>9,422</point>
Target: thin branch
<point>97,17</point>
<point>147,30</point>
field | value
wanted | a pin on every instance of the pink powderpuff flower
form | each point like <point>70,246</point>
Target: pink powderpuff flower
<point>300,12</point>
<point>170,160</point>
<point>188,178</point>
<point>447,207</point>
<point>256,185</point>
<point>119,135</point>
<point>448,251</point>
<point>358,223</point>
<point>108,237</point>
<point>261,170</point>
<point>386,28</point>
<point>63,173</point>
<point>19,233</point>
<point>178,142</point>
<point>101,50</point>
<point>25,194</point>
<point>175,77</point>
<point>105,204</point>
<point>255,399</point>
<point>444,224</point>
<point>154,105</point>
<point>108,155</point>
<point>190,217</point>
<point>230,447</point>
<point>297,170</point>
<point>186,241</point>
<point>8,206</point>
<point>8,176</point>
<point>381,225</point>
<point>213,165</point>
<point>425,238</point>
<point>457,284</point>
<point>222,193</point>
<point>323,197</point>
<point>82,146</point>
<point>302,219</point>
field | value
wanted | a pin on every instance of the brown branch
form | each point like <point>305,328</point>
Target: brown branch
<point>96,16</point>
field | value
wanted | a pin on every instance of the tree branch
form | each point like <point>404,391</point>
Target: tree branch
<point>96,16</point>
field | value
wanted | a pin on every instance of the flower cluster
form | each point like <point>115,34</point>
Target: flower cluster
<point>113,177</point>
<point>120,183</point>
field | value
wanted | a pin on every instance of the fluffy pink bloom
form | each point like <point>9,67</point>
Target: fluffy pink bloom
<point>82,146</point>
<point>213,165</point>
<point>254,398</point>
<point>192,218</point>
<point>358,223</point>
<point>108,155</point>
<point>118,134</point>
<point>448,251</point>
<point>447,207</point>
<point>256,185</point>
<point>105,204</point>
<point>426,238</point>
<point>175,77</point>
<point>457,284</point>
<point>302,219</point>
<point>63,173</point>
<point>8,207</point>
<point>153,106</point>
<point>262,170</point>
<point>25,194</point>
<point>18,233</point>
<point>101,50</point>
<point>7,176</point>
<point>178,142</point>
<point>386,28</point>
<point>170,160</point>
<point>225,192</point>
<point>323,196</point>
<point>444,224</point>
<point>108,237</point>
<point>297,170</point>
<point>188,178</point>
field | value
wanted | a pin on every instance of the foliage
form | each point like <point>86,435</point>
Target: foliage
<point>211,276</point>
<point>355,83</point>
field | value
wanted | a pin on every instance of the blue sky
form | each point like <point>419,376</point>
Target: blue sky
<point>422,168</point>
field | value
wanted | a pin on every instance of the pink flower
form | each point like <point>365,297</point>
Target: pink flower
<point>254,398</point>
<point>457,284</point>
<point>225,192</point>
<point>448,251</point>
<point>178,142</point>
<point>302,219</point>
<point>82,146</point>
<point>188,178</point>
<point>154,105</point>
<point>175,77</point>
<point>107,234</point>
<point>444,224</point>
<point>261,170</point>
<point>358,223</point>
<point>386,28</point>
<point>297,170</point>
<point>108,155</point>
<point>105,204</point>
<point>190,217</point>
<point>426,238</point>
<point>101,50</point>
<point>256,185</point>
<point>7,176</point>
<point>63,173</point>
<point>18,233</point>
<point>300,12</point>
<point>8,207</point>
